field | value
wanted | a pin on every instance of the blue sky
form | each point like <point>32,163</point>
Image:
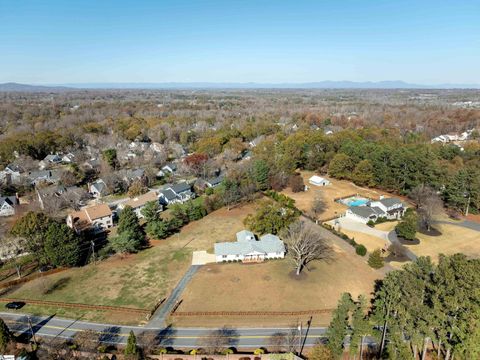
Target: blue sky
<point>80,41</point>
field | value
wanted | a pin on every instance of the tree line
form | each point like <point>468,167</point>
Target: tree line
<point>422,308</point>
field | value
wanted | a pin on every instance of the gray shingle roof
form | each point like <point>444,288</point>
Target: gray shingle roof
<point>362,211</point>
<point>168,194</point>
<point>10,200</point>
<point>216,180</point>
<point>245,235</point>
<point>181,187</point>
<point>388,202</point>
<point>267,244</point>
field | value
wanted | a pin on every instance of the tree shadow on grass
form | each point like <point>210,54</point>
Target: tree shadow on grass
<point>57,285</point>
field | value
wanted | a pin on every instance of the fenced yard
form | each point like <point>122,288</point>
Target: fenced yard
<point>138,280</point>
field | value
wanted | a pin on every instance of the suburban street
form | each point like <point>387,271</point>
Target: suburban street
<point>53,327</point>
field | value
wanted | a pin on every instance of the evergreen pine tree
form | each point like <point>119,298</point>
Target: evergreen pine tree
<point>360,327</point>
<point>260,174</point>
<point>338,328</point>
<point>131,348</point>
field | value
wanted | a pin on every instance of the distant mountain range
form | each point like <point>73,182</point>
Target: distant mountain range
<point>15,87</point>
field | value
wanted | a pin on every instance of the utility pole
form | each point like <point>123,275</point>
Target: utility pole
<point>468,205</point>
<point>92,248</point>
<point>31,331</point>
<point>300,339</point>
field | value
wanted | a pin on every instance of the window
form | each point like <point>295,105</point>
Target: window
<point>224,256</point>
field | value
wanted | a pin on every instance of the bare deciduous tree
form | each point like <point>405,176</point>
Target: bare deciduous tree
<point>305,244</point>
<point>429,204</point>
<point>218,340</point>
<point>318,205</point>
<point>87,340</point>
<point>277,342</point>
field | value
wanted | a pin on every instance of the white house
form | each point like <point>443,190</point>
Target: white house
<point>98,188</point>
<point>138,203</point>
<point>178,193</point>
<point>97,218</point>
<point>50,159</point>
<point>68,158</point>
<point>248,249</point>
<point>12,174</point>
<point>170,168</point>
<point>389,208</point>
<point>318,181</point>
<point>214,182</point>
<point>8,205</point>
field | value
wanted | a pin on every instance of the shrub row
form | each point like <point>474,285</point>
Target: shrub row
<point>359,248</point>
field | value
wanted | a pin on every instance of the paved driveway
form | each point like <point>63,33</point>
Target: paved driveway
<point>350,224</point>
<point>388,237</point>
<point>202,258</point>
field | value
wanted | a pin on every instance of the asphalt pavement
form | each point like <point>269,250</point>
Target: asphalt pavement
<point>54,327</point>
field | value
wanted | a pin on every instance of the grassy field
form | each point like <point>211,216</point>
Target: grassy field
<point>338,188</point>
<point>271,286</point>
<point>454,239</point>
<point>138,280</point>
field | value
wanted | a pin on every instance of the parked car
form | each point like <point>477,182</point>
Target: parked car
<point>15,305</point>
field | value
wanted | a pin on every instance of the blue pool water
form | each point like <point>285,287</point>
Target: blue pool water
<point>358,202</point>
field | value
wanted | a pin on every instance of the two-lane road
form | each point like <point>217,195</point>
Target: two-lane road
<point>175,337</point>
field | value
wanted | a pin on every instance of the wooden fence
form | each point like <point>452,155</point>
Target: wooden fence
<point>31,277</point>
<point>251,313</point>
<point>145,312</point>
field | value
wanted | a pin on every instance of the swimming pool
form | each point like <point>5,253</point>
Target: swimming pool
<point>358,202</point>
<point>354,201</point>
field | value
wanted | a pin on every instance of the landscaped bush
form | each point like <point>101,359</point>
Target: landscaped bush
<point>375,259</point>
<point>361,250</point>
<point>371,223</point>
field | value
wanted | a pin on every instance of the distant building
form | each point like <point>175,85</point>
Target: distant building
<point>170,168</point>
<point>138,203</point>
<point>248,249</point>
<point>98,189</point>
<point>178,193</point>
<point>12,174</point>
<point>97,218</point>
<point>318,181</point>
<point>59,197</point>
<point>8,205</point>
<point>389,208</point>
<point>215,181</point>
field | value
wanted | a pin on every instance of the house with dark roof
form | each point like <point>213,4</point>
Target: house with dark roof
<point>168,168</point>
<point>98,189</point>
<point>131,175</point>
<point>50,159</point>
<point>248,249</point>
<point>177,193</point>
<point>389,208</point>
<point>8,205</point>
<point>215,181</point>
<point>44,176</point>
<point>60,197</point>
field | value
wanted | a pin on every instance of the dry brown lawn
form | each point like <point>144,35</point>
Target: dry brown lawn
<point>271,286</point>
<point>454,239</point>
<point>387,226</point>
<point>337,189</point>
<point>369,241</point>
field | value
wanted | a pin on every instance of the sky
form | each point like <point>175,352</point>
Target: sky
<point>265,41</point>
